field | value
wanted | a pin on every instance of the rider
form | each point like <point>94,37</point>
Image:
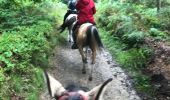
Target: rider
<point>86,9</point>
<point>71,10</point>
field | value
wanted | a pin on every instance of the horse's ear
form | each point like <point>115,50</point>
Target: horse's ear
<point>55,88</point>
<point>97,92</point>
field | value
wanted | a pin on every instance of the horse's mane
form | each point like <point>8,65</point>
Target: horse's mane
<point>72,87</point>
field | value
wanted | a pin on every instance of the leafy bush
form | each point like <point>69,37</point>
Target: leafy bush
<point>164,18</point>
<point>142,83</point>
<point>127,25</point>
<point>26,41</point>
<point>150,18</point>
<point>18,49</point>
<point>158,35</point>
<point>134,59</point>
<point>136,38</point>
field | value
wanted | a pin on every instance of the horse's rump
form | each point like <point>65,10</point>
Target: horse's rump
<point>70,19</point>
<point>88,35</point>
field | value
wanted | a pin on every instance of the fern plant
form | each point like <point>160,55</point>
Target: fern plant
<point>135,38</point>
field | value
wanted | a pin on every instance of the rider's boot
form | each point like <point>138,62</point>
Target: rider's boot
<point>75,29</point>
<point>74,46</point>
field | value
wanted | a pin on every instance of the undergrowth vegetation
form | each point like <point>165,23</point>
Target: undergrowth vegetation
<point>124,27</point>
<point>26,40</point>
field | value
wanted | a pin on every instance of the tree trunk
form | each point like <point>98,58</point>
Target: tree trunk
<point>158,4</point>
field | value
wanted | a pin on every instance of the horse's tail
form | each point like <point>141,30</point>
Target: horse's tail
<point>92,31</point>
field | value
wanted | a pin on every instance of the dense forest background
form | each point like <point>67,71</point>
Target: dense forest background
<point>137,33</point>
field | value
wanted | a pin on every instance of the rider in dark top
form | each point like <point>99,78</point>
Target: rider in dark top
<point>71,10</point>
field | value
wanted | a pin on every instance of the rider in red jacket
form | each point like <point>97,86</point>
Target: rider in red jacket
<point>86,9</point>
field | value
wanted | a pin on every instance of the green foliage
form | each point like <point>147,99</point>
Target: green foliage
<point>38,82</point>
<point>105,12</point>
<point>25,85</point>
<point>134,39</point>
<point>127,27</point>
<point>148,3</point>
<point>132,60</point>
<point>142,83</point>
<point>26,15</point>
<point>164,17</point>
<point>26,41</point>
<point>18,49</point>
<point>124,28</point>
<point>124,21</point>
<point>150,18</point>
<point>131,21</point>
<point>158,35</point>
<point>2,76</point>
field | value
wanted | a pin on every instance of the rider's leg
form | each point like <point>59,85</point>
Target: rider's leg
<point>75,30</point>
<point>66,15</point>
<point>62,27</point>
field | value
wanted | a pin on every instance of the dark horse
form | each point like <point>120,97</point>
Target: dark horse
<point>88,36</point>
<point>73,92</point>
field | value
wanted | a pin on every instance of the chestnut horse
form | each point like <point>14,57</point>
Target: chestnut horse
<point>88,36</point>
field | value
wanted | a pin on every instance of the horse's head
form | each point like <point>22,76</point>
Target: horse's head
<point>73,92</point>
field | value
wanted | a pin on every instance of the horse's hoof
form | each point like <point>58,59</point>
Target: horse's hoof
<point>84,71</point>
<point>90,78</point>
<point>85,61</point>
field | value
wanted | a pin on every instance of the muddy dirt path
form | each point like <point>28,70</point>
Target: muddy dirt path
<point>66,66</point>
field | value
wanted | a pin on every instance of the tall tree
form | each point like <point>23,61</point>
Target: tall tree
<point>158,5</point>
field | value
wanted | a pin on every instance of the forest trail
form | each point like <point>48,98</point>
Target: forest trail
<point>66,66</point>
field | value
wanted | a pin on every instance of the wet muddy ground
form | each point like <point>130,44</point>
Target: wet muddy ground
<point>66,66</point>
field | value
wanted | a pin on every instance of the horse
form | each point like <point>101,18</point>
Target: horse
<point>73,92</point>
<point>69,24</point>
<point>88,36</point>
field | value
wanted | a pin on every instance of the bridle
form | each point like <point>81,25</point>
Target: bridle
<point>72,94</point>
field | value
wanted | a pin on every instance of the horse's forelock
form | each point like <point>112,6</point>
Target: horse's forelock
<point>72,87</point>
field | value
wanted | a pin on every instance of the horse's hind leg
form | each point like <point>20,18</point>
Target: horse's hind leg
<point>86,51</point>
<point>91,72</point>
<point>70,35</point>
<point>93,63</point>
<point>84,59</point>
